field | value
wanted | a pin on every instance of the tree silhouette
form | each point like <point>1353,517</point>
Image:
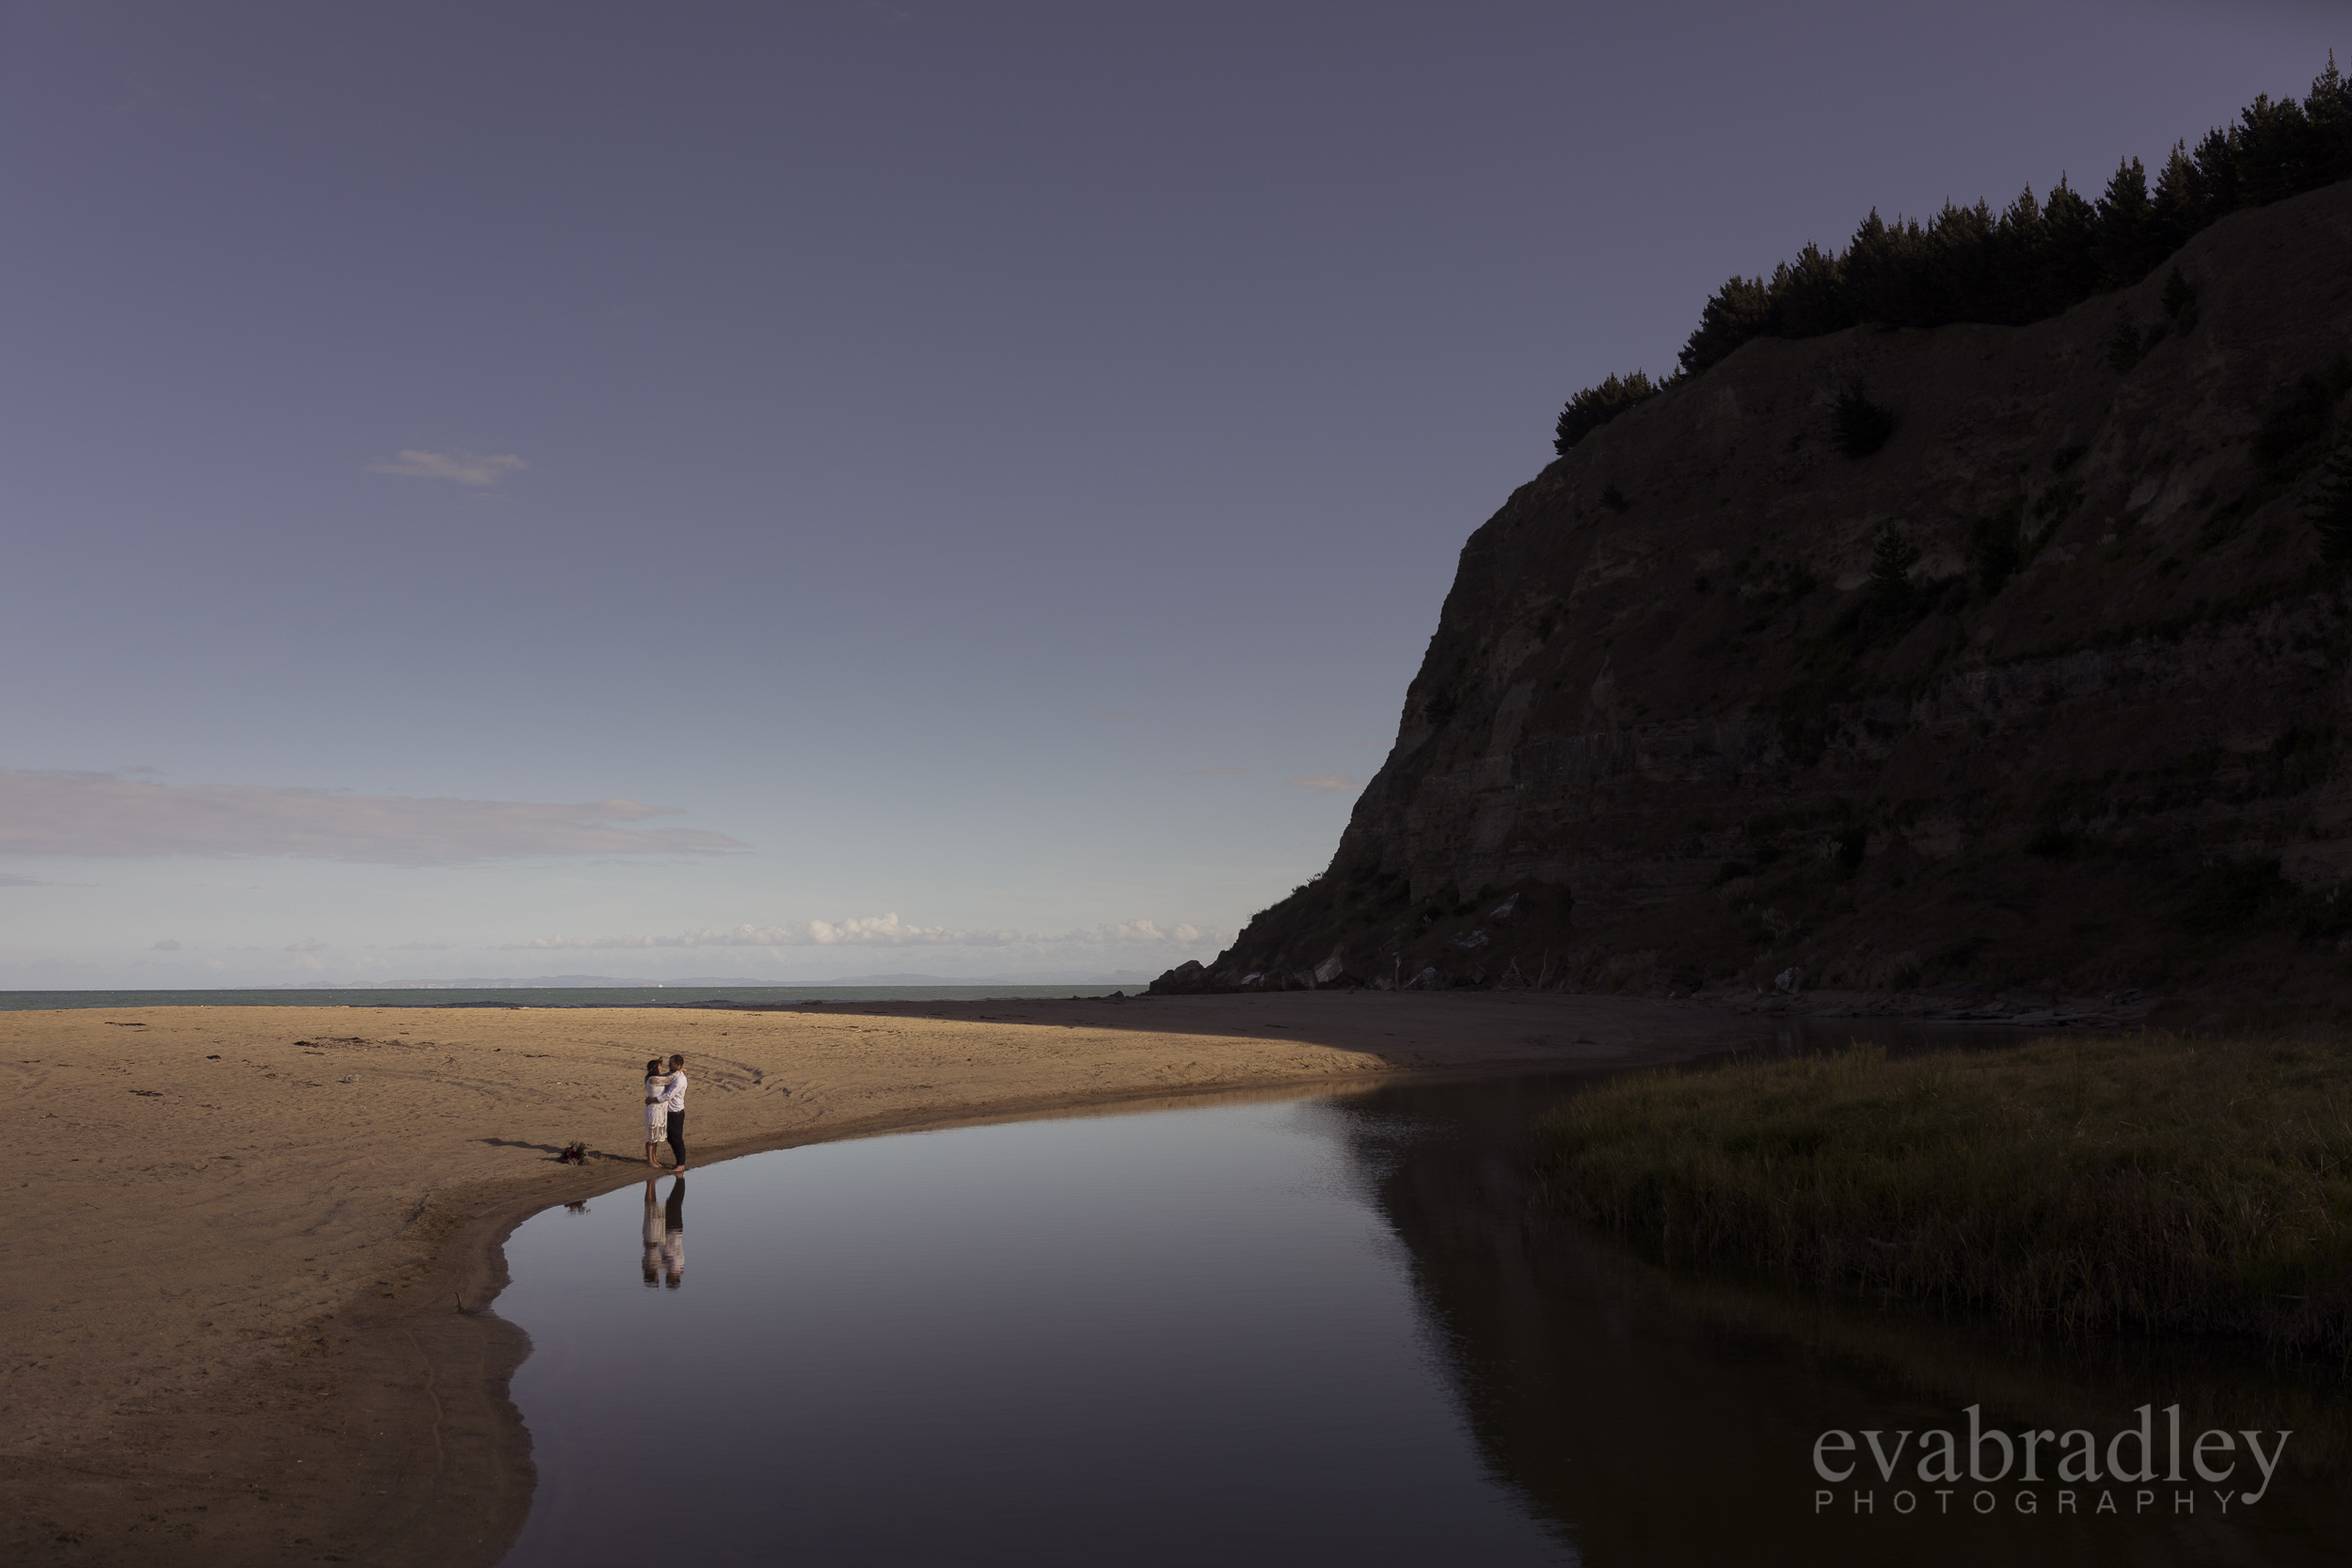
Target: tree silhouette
<point>2033,259</point>
<point>1891,560</point>
<point>1863,427</point>
<point>1595,406</point>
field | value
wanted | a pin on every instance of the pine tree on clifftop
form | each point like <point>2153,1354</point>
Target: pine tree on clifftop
<point>2034,260</point>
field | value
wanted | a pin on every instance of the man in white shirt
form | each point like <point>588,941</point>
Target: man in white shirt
<point>673,1102</point>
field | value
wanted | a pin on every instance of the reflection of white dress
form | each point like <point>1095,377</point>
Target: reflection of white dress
<point>657,1117</point>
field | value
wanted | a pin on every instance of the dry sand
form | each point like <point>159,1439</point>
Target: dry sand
<point>246,1324</point>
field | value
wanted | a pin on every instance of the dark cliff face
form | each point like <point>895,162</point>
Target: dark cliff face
<point>2049,689</point>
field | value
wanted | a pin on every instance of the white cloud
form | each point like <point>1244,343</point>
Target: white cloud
<point>887,930</point>
<point>1212,772</point>
<point>1145,933</point>
<point>104,816</point>
<point>308,944</point>
<point>463,467</point>
<point>166,945</point>
<point>1326,781</point>
<point>9,878</point>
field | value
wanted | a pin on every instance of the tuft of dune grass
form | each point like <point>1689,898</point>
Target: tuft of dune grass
<point>2154,1183</point>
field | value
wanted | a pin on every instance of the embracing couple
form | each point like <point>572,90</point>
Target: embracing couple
<point>665,1110</point>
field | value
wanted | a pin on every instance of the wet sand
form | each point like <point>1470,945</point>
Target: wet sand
<point>247,1325</point>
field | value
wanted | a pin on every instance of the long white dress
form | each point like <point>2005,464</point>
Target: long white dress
<point>657,1115</point>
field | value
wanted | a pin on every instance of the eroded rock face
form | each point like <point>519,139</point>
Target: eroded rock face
<point>2084,728</point>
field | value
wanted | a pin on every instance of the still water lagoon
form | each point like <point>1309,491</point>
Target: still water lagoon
<point>1310,1328</point>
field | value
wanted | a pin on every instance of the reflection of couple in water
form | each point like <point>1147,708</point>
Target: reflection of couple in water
<point>665,1235</point>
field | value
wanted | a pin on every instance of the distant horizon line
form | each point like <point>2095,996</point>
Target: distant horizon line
<point>587,982</point>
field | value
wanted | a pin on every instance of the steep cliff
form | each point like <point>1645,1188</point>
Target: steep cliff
<point>2049,689</point>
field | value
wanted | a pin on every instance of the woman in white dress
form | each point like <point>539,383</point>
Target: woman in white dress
<point>656,1118</point>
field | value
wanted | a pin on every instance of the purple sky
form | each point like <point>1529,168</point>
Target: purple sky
<point>484,474</point>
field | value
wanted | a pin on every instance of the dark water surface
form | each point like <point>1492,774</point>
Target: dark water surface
<point>1313,1329</point>
<point>525,996</point>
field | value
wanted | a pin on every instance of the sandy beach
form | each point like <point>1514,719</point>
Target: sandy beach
<point>251,1325</point>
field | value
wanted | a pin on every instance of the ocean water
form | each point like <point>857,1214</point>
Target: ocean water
<point>531,996</point>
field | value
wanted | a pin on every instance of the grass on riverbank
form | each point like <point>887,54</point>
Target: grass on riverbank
<point>2154,1183</point>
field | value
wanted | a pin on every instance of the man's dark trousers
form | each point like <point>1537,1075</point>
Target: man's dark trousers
<point>677,1136</point>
